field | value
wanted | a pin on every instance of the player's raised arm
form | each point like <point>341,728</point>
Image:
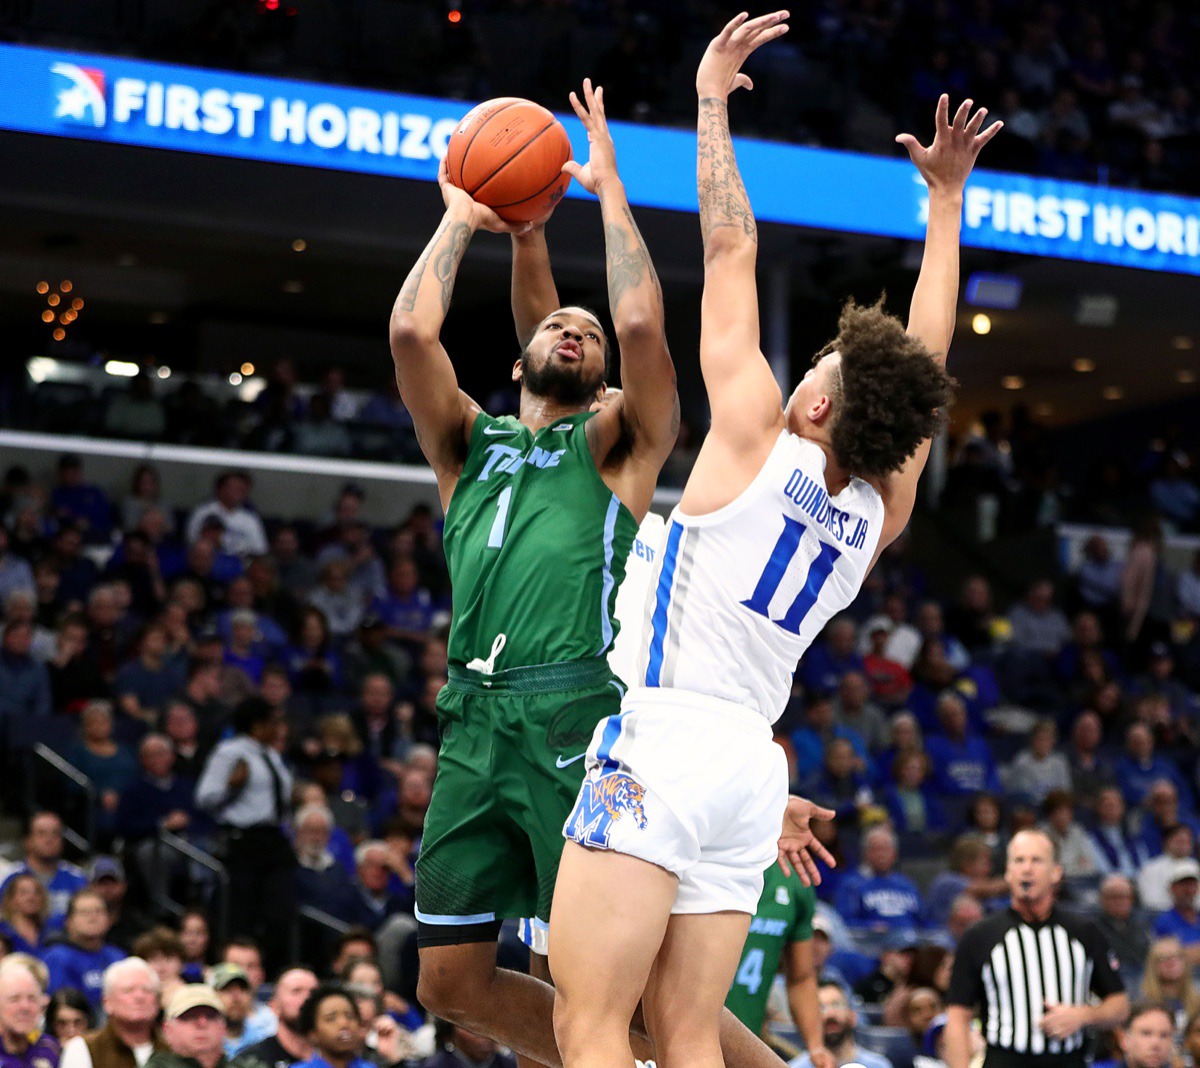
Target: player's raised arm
<point>442,414</point>
<point>534,294</point>
<point>649,406</point>
<point>744,397</point>
<point>945,165</point>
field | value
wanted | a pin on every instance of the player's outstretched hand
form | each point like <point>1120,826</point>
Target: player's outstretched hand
<point>601,166</point>
<point>947,163</point>
<point>797,843</point>
<point>482,217</point>
<point>720,70</point>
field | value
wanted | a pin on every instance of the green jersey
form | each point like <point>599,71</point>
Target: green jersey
<point>536,545</point>
<point>785,915</point>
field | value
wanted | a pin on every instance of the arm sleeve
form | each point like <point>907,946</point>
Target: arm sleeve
<point>1105,980</point>
<point>212,791</point>
<point>966,980</point>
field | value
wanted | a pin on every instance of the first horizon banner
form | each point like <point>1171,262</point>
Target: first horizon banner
<point>222,113</point>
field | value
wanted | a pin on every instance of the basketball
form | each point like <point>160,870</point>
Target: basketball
<point>508,154</point>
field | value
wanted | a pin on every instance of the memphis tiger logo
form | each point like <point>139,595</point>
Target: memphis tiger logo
<point>603,799</point>
<point>79,95</point>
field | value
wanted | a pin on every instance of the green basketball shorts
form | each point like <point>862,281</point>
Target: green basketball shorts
<point>509,771</point>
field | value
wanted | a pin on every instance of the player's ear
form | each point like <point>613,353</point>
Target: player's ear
<point>819,410</point>
<point>516,371</point>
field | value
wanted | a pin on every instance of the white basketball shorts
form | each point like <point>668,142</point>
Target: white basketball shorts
<point>691,783</point>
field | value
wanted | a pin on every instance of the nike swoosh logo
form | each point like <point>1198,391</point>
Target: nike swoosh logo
<point>560,763</point>
<point>496,431</point>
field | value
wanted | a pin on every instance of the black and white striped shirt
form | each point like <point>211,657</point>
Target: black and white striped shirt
<point>1010,968</point>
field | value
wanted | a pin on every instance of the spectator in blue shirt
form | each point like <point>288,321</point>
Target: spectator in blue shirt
<point>827,661</point>
<point>158,799</point>
<point>810,741</point>
<point>43,859</point>
<point>143,686</point>
<point>1161,810</point>
<point>1117,851</point>
<point>331,1020</point>
<point>24,906</point>
<point>878,898</point>
<point>81,960</point>
<point>24,681</point>
<point>108,763</point>
<point>1182,920</point>
<point>1139,767</point>
<point>842,783</point>
<point>80,502</point>
<point>406,607</point>
<point>839,1022</point>
<point>272,637</point>
<point>912,802</point>
<point>963,764</point>
<point>15,572</point>
<point>970,873</point>
<point>245,649</point>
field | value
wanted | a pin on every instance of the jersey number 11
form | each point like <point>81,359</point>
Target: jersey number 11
<point>781,558</point>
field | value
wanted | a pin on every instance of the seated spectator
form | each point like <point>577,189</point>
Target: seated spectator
<point>1161,810</point>
<point>23,1042</point>
<point>970,873</point>
<point>158,799</point>
<point>194,937</point>
<point>288,1045</point>
<point>15,572</point>
<point>24,681</point>
<point>195,1031</point>
<point>1140,767</point>
<point>161,949</point>
<point>74,676</point>
<point>811,740</point>
<point>1087,639</point>
<point>1076,853</point>
<point>145,493</point>
<point>243,529</point>
<point>69,1015</point>
<point>110,765</point>
<point>321,881</point>
<point>145,685</point>
<point>43,844</point>
<point>1098,578</point>
<point>232,986</point>
<point>1125,935</point>
<point>973,620</point>
<point>333,1025</point>
<point>245,649</point>
<point>24,909</point>
<point>81,960</point>
<point>963,764</point>
<point>934,676</point>
<point>826,661</point>
<point>854,708</point>
<point>894,968</point>
<point>904,736</point>
<point>337,600</point>
<point>1168,979</point>
<point>81,503</point>
<point>379,723</point>
<point>842,784</point>
<point>1091,769</point>
<point>1154,878</point>
<point>106,876</point>
<point>965,912</point>
<point>1038,770</point>
<point>986,820</point>
<point>1182,920</point>
<point>877,897</point>
<point>1117,851</point>
<point>182,730</point>
<point>129,1034</point>
<point>1175,496</point>
<point>297,572</point>
<point>269,637</point>
<point>1191,1041</point>
<point>1148,1039</point>
<point>313,665</point>
<point>911,801</point>
<point>353,547</point>
<point>890,681</point>
<point>839,1023</point>
<point>406,606</point>
<point>1038,626</point>
<point>135,562</point>
<point>913,1007</point>
<point>245,953</point>
<point>930,624</point>
<point>373,866</point>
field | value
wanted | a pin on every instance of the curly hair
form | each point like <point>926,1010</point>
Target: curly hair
<point>892,394</point>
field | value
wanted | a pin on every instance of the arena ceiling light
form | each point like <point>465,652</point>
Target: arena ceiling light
<point>121,368</point>
<point>1084,366</point>
<point>982,324</point>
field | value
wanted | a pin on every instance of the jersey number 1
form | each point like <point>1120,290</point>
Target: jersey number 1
<point>781,558</point>
<point>496,534</point>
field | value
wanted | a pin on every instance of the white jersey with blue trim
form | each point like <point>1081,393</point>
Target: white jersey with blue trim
<point>740,594</point>
<point>630,608</point>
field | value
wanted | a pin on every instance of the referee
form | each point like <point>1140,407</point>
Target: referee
<point>1031,971</point>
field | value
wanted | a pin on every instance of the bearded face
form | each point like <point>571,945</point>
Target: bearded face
<point>564,361</point>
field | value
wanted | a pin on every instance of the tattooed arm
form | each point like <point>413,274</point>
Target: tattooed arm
<point>648,410</point>
<point>745,399</point>
<point>442,414</point>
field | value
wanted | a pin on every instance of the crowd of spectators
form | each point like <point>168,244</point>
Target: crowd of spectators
<point>1098,90</point>
<point>179,658</point>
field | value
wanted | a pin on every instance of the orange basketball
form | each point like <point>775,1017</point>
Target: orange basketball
<point>508,154</point>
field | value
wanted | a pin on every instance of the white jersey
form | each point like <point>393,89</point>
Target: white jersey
<point>740,593</point>
<point>630,608</point>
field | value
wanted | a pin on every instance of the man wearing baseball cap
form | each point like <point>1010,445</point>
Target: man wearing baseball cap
<point>1182,921</point>
<point>236,992</point>
<point>194,1029</point>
